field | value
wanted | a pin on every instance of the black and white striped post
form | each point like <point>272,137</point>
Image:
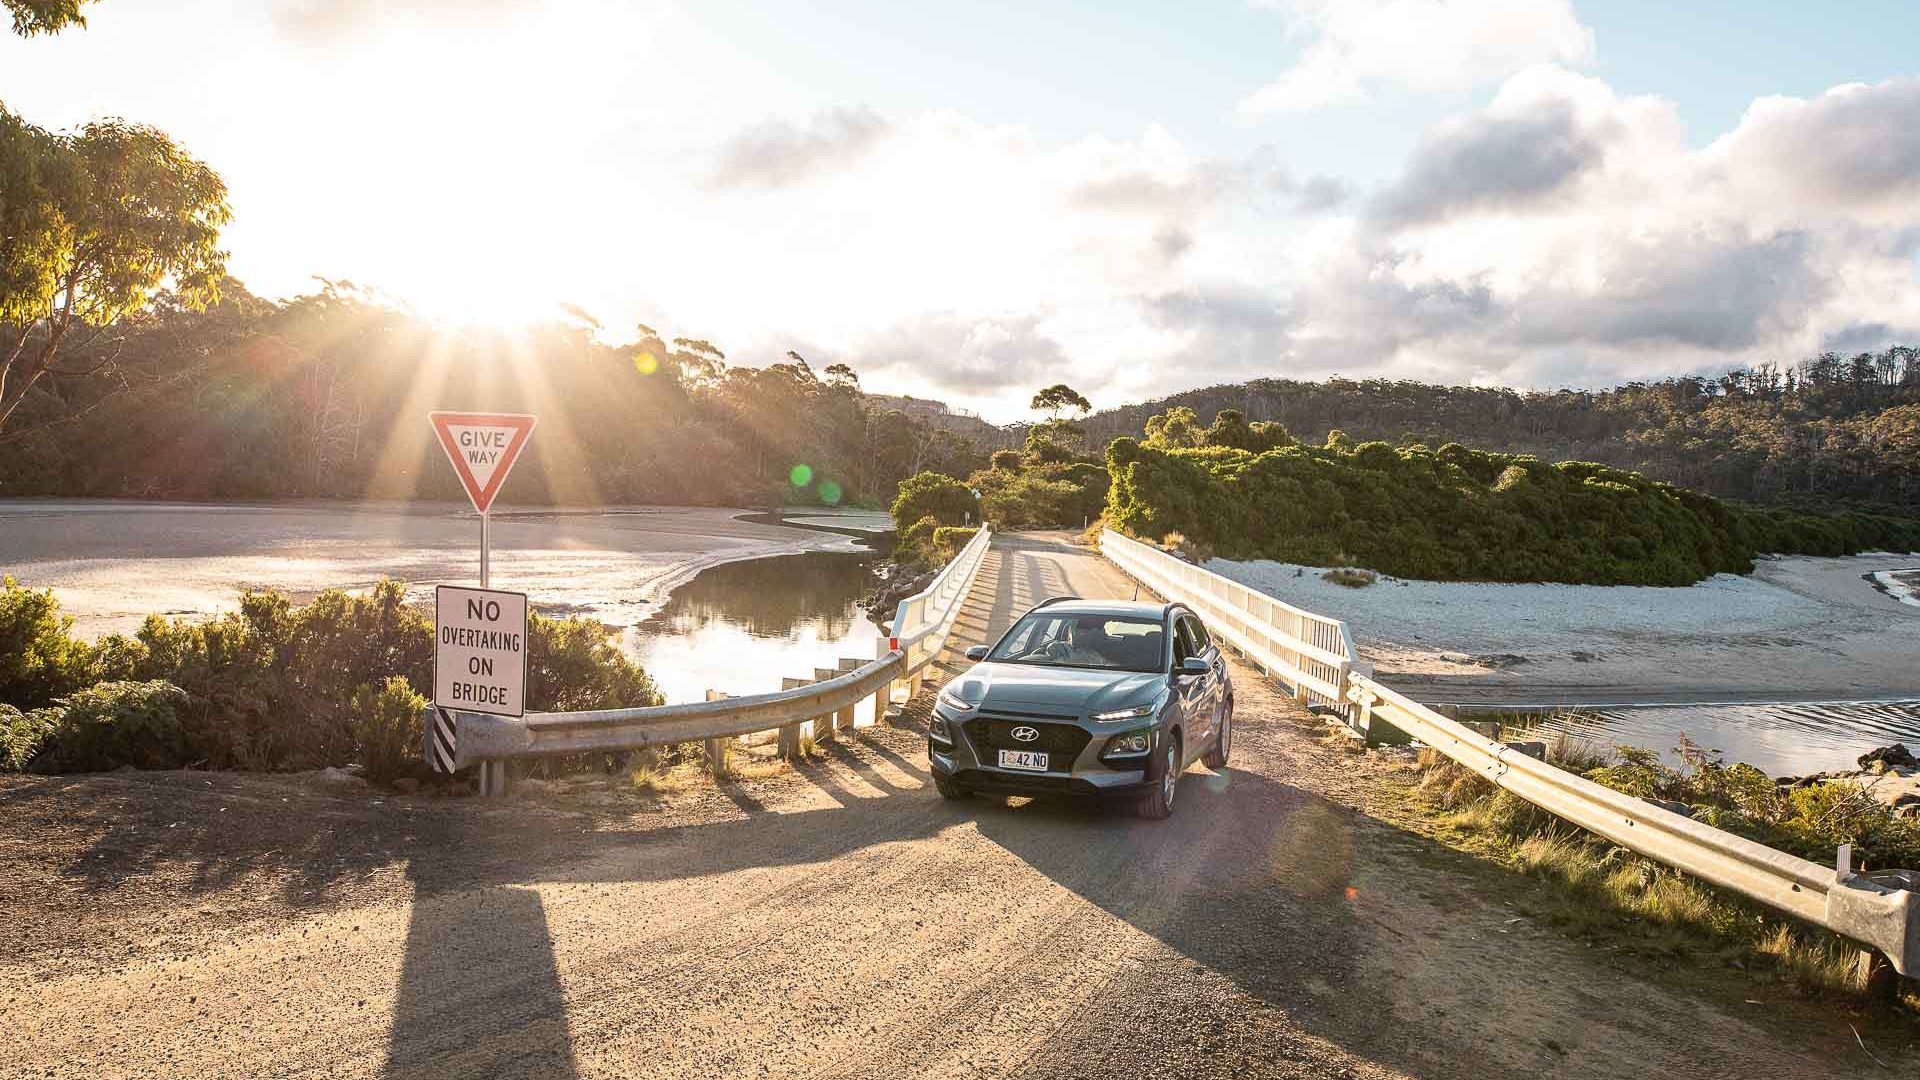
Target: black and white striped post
<point>441,736</point>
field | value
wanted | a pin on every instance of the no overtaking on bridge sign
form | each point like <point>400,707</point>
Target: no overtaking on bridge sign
<point>480,650</point>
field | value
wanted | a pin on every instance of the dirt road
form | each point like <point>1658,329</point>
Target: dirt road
<point>839,920</point>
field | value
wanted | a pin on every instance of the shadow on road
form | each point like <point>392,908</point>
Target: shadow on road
<point>481,995</point>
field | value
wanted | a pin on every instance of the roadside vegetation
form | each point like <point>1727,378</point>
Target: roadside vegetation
<point>1827,431</point>
<point>337,681</point>
<point>1249,491</point>
<point>1616,899</point>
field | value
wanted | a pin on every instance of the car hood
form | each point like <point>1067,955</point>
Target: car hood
<point>1066,690</point>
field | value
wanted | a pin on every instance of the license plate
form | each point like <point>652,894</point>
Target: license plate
<point>1030,760</point>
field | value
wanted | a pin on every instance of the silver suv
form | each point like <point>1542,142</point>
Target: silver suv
<point>1093,697</point>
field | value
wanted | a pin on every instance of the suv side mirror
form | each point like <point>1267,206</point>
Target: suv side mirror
<point>978,652</point>
<point>1193,665</point>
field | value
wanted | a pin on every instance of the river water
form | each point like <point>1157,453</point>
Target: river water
<point>1780,739</point>
<point>741,627</point>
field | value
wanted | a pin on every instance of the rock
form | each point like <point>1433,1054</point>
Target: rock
<point>1909,799</point>
<point>406,785</point>
<point>1669,804</point>
<point>1533,748</point>
<point>1897,754</point>
<point>338,778</point>
<point>1875,767</point>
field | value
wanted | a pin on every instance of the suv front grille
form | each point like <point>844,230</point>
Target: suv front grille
<point>1061,742</point>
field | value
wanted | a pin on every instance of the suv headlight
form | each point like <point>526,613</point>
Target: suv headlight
<point>1128,745</point>
<point>938,731</point>
<point>953,701</point>
<point>1138,712</point>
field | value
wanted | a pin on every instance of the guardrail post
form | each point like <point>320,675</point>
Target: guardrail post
<point>713,752</point>
<point>789,747</point>
<point>824,725</point>
<point>493,778</point>
<point>845,717</point>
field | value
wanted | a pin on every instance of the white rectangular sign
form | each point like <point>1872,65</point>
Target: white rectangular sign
<point>480,650</point>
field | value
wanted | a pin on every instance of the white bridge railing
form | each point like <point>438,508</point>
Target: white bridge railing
<point>1311,653</point>
<point>1316,655</point>
<point>922,626</point>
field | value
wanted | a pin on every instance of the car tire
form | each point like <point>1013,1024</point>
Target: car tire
<point>949,788</point>
<point>1157,804</point>
<point>1216,758</point>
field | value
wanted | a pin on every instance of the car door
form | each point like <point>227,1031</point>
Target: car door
<point>1198,693</point>
<point>1216,678</point>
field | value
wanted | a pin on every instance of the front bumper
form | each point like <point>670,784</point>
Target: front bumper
<point>972,757</point>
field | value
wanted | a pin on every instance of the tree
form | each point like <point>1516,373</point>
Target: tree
<point>32,17</point>
<point>93,225</point>
<point>1060,398</point>
<point>841,375</point>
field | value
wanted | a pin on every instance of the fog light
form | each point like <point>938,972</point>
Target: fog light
<point>1131,744</point>
<point>937,730</point>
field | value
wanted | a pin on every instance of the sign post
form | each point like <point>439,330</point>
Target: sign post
<point>480,635</point>
<point>483,448</point>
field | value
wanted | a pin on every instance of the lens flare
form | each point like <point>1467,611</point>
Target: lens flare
<point>800,475</point>
<point>646,363</point>
<point>830,493</point>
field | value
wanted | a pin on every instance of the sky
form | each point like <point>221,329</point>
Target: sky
<point>1135,197</point>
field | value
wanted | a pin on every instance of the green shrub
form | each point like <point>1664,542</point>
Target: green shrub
<point>929,494</point>
<point>272,684</point>
<point>115,723</point>
<point>948,540</point>
<point>573,664</point>
<point>1457,514</point>
<point>387,724</point>
<point>40,659</point>
<point>21,736</point>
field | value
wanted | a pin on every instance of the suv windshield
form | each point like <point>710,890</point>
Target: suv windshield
<point>1116,642</point>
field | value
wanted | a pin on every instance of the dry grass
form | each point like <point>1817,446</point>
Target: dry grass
<point>1607,894</point>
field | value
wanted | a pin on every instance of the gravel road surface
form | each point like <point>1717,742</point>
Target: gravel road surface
<point>837,920</point>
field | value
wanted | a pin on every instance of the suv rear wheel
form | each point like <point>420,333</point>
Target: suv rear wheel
<point>1157,804</point>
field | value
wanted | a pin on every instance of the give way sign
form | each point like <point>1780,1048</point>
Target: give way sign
<point>483,448</point>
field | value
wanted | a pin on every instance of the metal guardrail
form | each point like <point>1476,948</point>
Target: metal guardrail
<point>1880,911</point>
<point>1309,652</point>
<point>921,628</point>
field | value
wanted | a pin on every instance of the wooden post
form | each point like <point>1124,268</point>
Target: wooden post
<point>1878,981</point>
<point>823,726</point>
<point>789,747</point>
<point>846,717</point>
<point>714,751</point>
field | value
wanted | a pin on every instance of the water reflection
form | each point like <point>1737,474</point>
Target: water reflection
<point>742,627</point>
<point>1780,739</point>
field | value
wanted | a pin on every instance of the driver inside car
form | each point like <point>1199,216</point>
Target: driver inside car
<point>1084,643</point>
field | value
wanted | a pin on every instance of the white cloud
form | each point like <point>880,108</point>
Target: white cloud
<point>1355,46</point>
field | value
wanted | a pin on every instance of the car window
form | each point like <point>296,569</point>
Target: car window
<point>1199,632</point>
<point>1182,642</point>
<point>1111,642</point>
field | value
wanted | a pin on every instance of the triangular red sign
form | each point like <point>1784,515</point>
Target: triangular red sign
<point>483,448</point>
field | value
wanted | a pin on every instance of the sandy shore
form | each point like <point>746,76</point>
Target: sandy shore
<point>1797,629</point>
<point>112,562</point>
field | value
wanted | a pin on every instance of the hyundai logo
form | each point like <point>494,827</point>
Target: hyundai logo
<point>1025,734</point>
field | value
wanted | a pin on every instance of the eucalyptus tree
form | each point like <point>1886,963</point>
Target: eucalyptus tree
<point>93,224</point>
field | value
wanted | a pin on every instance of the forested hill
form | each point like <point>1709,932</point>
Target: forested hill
<point>327,395</point>
<point>1824,432</point>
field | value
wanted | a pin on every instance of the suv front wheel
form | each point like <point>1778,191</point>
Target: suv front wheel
<point>1157,804</point>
